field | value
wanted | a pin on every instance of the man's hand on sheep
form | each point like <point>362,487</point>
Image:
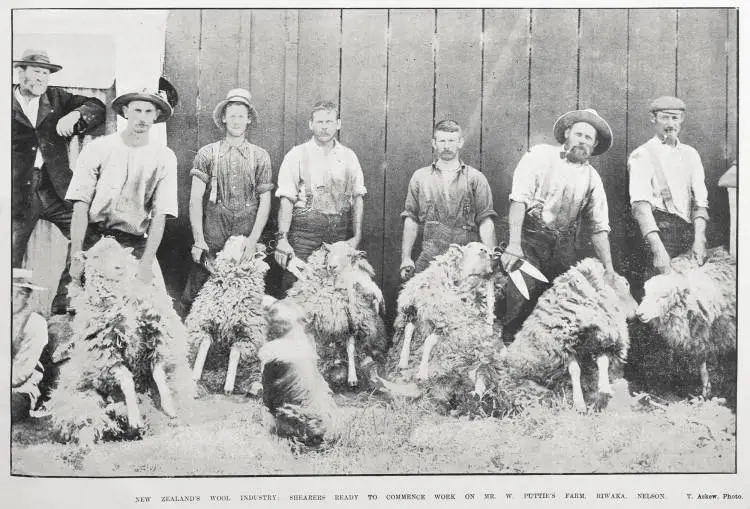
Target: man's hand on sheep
<point>354,241</point>
<point>407,269</point>
<point>145,274</point>
<point>198,249</point>
<point>699,250</point>
<point>662,262</point>
<point>283,253</point>
<point>248,250</point>
<point>76,268</point>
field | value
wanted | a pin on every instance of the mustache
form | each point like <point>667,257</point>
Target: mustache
<point>578,153</point>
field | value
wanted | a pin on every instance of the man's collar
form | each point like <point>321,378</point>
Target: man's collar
<point>244,148</point>
<point>314,143</point>
<point>661,141</point>
<point>461,165</point>
<point>19,96</point>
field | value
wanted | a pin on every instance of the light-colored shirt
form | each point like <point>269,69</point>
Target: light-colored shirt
<point>465,198</point>
<point>335,178</point>
<point>683,172</point>
<point>124,186</point>
<point>243,173</point>
<point>561,189</point>
<point>27,346</point>
<point>31,110</point>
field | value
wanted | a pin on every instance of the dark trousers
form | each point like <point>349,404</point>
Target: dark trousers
<point>20,405</point>
<point>308,231</point>
<point>47,205</point>
<point>552,252</point>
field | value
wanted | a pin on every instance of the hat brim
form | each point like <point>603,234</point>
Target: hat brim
<point>28,285</point>
<point>219,111</point>
<point>53,68</point>
<point>165,110</point>
<point>604,132</point>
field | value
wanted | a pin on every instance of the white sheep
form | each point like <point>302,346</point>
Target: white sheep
<point>694,308</point>
<point>294,391</point>
<point>579,326</point>
<point>227,310</point>
<point>344,308</point>
<point>125,335</point>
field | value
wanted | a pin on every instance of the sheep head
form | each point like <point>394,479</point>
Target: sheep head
<point>662,294</point>
<point>340,255</point>
<point>473,259</point>
<point>108,261</point>
<point>229,259</point>
<point>622,290</point>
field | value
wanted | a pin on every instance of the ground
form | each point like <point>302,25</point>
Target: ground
<point>226,435</point>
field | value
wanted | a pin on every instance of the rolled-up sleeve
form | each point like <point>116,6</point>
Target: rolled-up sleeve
<point>85,175</point>
<point>525,177</point>
<point>202,164</point>
<point>411,205</point>
<point>263,174</point>
<point>698,185</point>
<point>640,178</point>
<point>165,195</point>
<point>596,209</point>
<point>483,199</point>
<point>358,184</point>
<point>289,176</point>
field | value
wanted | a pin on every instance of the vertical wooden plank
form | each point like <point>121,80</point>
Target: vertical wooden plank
<point>218,63</point>
<point>363,87</point>
<point>603,87</point>
<point>505,101</point>
<point>554,69</point>
<point>731,85</point>
<point>267,70</point>
<point>702,84</point>
<point>458,88</point>
<point>318,71</point>
<point>243,47</point>
<point>410,91</point>
<point>651,60</point>
<point>183,35</point>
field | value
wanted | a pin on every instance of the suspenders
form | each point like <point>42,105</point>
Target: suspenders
<point>215,174</point>
<point>661,181</point>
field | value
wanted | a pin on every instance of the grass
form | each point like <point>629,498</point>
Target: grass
<point>228,435</point>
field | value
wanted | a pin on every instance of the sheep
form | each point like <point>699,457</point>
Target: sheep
<point>344,308</point>
<point>227,310</point>
<point>445,320</point>
<point>125,335</point>
<point>294,391</point>
<point>694,308</point>
<point>577,324</point>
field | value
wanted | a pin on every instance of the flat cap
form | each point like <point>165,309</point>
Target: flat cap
<point>666,102</point>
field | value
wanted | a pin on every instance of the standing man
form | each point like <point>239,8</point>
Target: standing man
<point>124,185</point>
<point>555,188</point>
<point>321,187</point>
<point>668,193</point>
<point>450,198</point>
<point>43,120</point>
<point>231,189</point>
<point>28,342</point>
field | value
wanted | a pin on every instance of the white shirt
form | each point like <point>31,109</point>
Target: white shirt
<point>31,110</point>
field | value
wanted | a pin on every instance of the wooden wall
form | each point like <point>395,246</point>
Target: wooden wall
<point>504,74</point>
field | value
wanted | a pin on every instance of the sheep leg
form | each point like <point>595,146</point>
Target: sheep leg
<point>575,376</point>
<point>605,389</point>
<point>200,359</point>
<point>165,395</point>
<point>705,380</point>
<point>403,361</point>
<point>351,375</point>
<point>429,344</point>
<point>234,361</point>
<point>480,386</point>
<point>124,379</point>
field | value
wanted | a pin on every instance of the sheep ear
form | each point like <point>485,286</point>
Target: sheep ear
<point>267,302</point>
<point>325,247</point>
<point>455,249</point>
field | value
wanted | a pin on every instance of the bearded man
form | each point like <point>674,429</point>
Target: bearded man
<point>554,190</point>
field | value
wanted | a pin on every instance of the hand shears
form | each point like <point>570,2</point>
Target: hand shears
<point>520,265</point>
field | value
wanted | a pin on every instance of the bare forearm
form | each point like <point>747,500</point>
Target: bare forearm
<point>285,214</point>
<point>195,210</point>
<point>516,214</point>
<point>699,224</point>
<point>602,248</point>
<point>261,217</point>
<point>155,234</point>
<point>357,213</point>
<point>411,228</point>
<point>487,232</point>
<point>78,226</point>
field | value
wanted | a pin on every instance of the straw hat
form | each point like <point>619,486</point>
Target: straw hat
<point>22,279</point>
<point>236,95</point>
<point>591,117</point>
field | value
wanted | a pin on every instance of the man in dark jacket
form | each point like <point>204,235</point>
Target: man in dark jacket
<point>43,120</point>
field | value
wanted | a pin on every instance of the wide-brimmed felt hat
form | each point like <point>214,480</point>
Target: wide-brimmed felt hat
<point>236,95</point>
<point>666,102</point>
<point>165,99</point>
<point>36,58</point>
<point>22,279</point>
<point>591,117</point>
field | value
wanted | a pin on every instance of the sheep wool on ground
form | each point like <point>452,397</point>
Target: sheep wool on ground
<point>577,331</point>
<point>452,301</point>
<point>694,309</point>
<point>126,338</point>
<point>226,317</point>
<point>344,308</point>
